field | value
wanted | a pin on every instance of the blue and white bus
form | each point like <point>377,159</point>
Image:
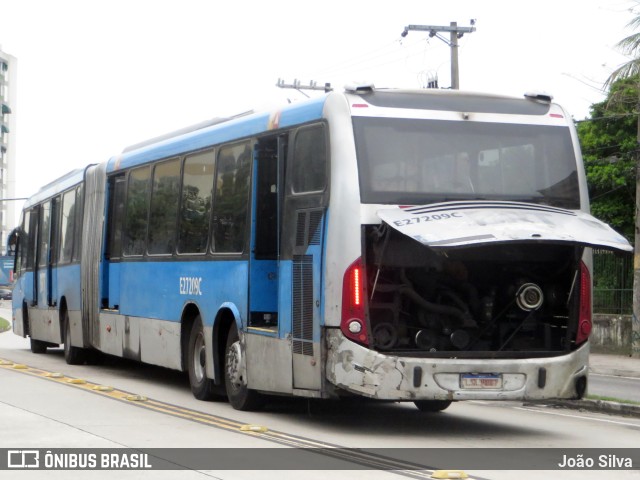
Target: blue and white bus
<point>424,246</point>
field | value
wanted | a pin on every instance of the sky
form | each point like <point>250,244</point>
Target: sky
<point>96,76</point>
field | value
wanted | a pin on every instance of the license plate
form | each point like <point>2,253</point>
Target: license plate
<point>480,380</point>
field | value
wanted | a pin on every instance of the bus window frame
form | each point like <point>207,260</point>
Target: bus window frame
<point>250,142</point>
<point>154,167</point>
<point>213,150</point>
<point>125,255</point>
<point>292,160</point>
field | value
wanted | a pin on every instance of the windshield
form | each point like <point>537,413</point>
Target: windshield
<point>409,161</point>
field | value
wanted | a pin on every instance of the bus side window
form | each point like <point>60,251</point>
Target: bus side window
<point>44,234</point>
<point>135,231</point>
<point>197,189</point>
<point>163,212</point>
<point>116,214</point>
<point>31,223</point>
<point>310,160</point>
<point>231,200</point>
<point>67,226</point>
<point>79,211</point>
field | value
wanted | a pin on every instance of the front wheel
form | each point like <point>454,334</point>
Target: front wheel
<point>235,376</point>
<point>432,405</point>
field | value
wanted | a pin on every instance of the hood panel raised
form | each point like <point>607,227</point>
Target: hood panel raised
<point>458,224</point>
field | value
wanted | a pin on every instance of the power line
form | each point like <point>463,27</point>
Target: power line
<point>455,33</point>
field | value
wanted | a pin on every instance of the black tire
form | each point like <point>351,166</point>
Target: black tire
<point>431,406</point>
<point>203,388</point>
<point>72,355</point>
<point>240,397</point>
<point>38,346</point>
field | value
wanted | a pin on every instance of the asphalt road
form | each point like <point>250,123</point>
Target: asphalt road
<point>623,388</point>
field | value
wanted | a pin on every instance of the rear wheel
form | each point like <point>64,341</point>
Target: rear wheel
<point>203,388</point>
<point>38,346</point>
<point>432,405</point>
<point>235,376</point>
<point>72,355</point>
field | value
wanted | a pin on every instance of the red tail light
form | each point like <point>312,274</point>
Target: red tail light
<point>584,319</point>
<point>353,323</point>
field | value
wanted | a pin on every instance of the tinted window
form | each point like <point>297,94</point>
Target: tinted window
<point>43,234</point>
<point>116,215</point>
<point>164,207</point>
<point>31,225</point>
<point>406,161</point>
<point>24,241</point>
<point>231,198</point>
<point>77,244</point>
<point>309,160</point>
<point>197,189</point>
<point>136,211</point>
<point>67,225</point>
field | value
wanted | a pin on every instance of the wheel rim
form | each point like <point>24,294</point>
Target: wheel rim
<point>199,357</point>
<point>234,365</point>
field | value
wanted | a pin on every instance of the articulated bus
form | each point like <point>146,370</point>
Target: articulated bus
<point>423,246</point>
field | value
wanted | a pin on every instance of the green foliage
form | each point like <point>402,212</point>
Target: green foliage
<point>609,147</point>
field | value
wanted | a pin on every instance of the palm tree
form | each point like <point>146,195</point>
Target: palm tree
<point>631,46</point>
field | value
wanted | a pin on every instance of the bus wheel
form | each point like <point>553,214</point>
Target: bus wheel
<point>38,346</point>
<point>432,405</point>
<point>201,386</point>
<point>72,355</point>
<point>240,397</point>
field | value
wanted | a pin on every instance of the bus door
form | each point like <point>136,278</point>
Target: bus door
<point>263,285</point>
<point>54,227</point>
<point>42,273</point>
<point>110,293</point>
<point>302,245</point>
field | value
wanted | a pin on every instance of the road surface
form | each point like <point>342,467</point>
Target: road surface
<point>37,411</point>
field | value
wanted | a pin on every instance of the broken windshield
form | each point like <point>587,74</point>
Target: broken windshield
<point>409,161</point>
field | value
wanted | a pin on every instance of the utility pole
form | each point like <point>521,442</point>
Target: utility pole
<point>635,318</point>
<point>455,33</point>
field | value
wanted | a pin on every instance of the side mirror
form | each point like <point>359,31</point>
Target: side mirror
<point>12,243</point>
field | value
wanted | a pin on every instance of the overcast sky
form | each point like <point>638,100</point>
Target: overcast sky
<point>95,76</point>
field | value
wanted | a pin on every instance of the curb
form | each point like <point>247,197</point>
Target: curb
<point>599,406</point>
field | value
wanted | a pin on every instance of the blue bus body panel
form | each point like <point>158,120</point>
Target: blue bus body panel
<point>161,289</point>
<point>68,284</point>
<point>224,132</point>
<point>285,306</point>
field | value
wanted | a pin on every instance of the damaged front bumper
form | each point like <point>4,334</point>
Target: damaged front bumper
<point>372,374</point>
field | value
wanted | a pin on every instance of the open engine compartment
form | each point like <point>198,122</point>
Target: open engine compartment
<point>499,300</point>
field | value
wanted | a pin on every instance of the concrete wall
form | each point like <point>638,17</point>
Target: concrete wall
<point>611,334</point>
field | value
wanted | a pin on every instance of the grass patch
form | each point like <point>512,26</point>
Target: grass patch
<point>611,399</point>
<point>4,325</point>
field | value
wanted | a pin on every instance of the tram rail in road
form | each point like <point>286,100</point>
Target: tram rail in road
<point>359,457</point>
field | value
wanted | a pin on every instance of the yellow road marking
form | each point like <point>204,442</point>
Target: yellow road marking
<point>389,464</point>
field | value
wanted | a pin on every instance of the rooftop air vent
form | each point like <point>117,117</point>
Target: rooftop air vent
<point>541,97</point>
<point>363,87</point>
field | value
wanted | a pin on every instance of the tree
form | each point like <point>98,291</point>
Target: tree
<point>631,70</point>
<point>609,146</point>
